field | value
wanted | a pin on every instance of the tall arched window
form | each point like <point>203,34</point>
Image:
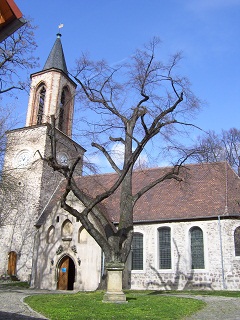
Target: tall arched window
<point>61,110</point>
<point>164,237</point>
<point>237,241</point>
<point>137,251</point>
<point>41,100</point>
<point>64,110</point>
<point>197,248</point>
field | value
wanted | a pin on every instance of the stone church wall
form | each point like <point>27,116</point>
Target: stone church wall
<point>181,276</point>
<point>32,186</point>
<point>23,207</point>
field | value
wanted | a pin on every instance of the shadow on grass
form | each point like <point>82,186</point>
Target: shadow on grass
<point>16,316</point>
<point>158,292</point>
<point>129,298</point>
<point>214,293</point>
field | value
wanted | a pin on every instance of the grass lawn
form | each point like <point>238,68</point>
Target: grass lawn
<point>19,284</point>
<point>89,306</point>
<point>223,293</point>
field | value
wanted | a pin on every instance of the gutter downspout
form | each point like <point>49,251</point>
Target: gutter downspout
<point>221,252</point>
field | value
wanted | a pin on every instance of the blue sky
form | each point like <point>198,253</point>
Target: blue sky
<point>207,31</point>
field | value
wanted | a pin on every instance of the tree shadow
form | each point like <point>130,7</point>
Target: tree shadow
<point>16,316</point>
<point>129,299</point>
<point>175,284</point>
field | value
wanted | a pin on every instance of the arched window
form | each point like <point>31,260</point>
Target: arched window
<point>67,230</point>
<point>237,241</point>
<point>63,115</point>
<point>164,237</point>
<point>137,251</point>
<point>50,234</point>
<point>41,100</point>
<point>61,110</point>
<point>82,235</point>
<point>197,248</point>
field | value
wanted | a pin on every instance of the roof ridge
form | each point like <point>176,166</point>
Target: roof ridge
<point>159,168</point>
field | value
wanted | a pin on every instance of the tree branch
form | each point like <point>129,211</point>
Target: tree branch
<point>173,174</point>
<point>107,155</point>
<point>10,88</point>
<point>117,140</point>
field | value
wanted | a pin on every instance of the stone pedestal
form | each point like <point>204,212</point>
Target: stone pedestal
<point>114,292</point>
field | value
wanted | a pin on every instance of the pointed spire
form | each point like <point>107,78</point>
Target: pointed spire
<point>56,57</point>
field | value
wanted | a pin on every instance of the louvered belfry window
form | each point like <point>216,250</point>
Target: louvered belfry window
<point>197,248</point>
<point>42,94</point>
<point>137,251</point>
<point>237,241</point>
<point>164,236</point>
<point>61,111</point>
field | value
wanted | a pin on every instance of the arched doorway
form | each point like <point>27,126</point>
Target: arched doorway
<point>66,274</point>
<point>12,262</point>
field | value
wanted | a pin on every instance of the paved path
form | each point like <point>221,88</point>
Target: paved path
<point>218,308</point>
<point>12,306</point>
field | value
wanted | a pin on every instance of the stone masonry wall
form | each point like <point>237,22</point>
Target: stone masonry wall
<point>181,276</point>
<point>33,184</point>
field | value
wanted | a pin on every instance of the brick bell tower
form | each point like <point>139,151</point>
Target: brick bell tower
<point>31,181</point>
<point>52,92</point>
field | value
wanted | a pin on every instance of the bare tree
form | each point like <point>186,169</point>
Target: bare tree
<point>224,146</point>
<point>150,106</point>
<point>16,53</point>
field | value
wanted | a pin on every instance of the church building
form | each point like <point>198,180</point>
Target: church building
<point>186,234</point>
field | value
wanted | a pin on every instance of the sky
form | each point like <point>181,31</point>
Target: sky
<point>206,31</point>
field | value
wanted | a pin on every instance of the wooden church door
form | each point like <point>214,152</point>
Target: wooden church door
<point>12,262</point>
<point>66,275</point>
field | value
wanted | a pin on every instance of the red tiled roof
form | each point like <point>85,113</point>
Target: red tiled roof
<point>207,190</point>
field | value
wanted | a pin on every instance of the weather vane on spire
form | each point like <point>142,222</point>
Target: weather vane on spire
<point>59,27</point>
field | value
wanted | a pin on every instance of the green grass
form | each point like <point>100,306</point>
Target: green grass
<point>89,306</point>
<point>232,294</point>
<point>19,284</point>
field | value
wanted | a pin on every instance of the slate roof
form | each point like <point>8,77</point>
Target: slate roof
<point>207,190</point>
<point>56,57</point>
